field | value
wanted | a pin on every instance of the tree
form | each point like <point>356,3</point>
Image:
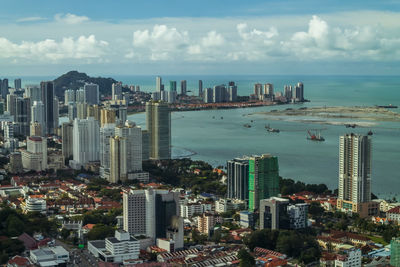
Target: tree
<point>246,259</point>
<point>100,231</point>
<point>315,209</point>
<point>65,233</point>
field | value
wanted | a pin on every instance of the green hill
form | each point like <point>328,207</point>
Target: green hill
<point>75,80</point>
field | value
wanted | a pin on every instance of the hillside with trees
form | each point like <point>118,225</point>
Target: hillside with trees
<point>75,80</point>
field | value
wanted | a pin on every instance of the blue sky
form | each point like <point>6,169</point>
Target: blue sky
<point>200,37</point>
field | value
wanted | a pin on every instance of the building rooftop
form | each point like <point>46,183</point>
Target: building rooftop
<point>394,210</point>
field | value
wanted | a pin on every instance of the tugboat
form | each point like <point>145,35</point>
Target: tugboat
<point>271,130</point>
<point>315,136</point>
<point>247,125</point>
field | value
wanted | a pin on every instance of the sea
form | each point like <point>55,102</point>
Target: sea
<point>216,136</point>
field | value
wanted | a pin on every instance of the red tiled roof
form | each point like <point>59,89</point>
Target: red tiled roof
<point>394,210</point>
<point>19,261</point>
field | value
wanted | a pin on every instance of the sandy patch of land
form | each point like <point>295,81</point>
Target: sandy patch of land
<point>358,116</point>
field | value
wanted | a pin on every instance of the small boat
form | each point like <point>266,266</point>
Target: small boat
<point>370,132</point>
<point>222,118</point>
<point>247,125</point>
<point>350,125</point>
<point>271,130</point>
<point>213,117</point>
<point>251,121</point>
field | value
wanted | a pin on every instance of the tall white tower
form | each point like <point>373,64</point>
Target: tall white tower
<point>86,141</point>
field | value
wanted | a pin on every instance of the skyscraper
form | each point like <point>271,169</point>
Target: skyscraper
<point>172,86</point>
<point>183,87</point>
<point>106,133</point>
<point>86,142</point>
<point>47,90</point>
<point>355,174</point>
<point>269,89</point>
<point>17,84</point>
<point>23,115</point>
<point>200,88</point>
<point>92,95</point>
<point>395,252</point>
<point>118,159</point>
<point>35,155</point>
<point>33,92</point>
<point>116,91</point>
<point>4,88</point>
<point>67,139</point>
<point>38,115</point>
<point>133,136</point>
<point>152,213</point>
<point>238,178</point>
<point>159,84</point>
<point>263,179</point>
<point>158,123</point>
<point>80,96</point>
<point>69,96</point>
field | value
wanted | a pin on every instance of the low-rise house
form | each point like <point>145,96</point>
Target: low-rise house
<point>394,214</point>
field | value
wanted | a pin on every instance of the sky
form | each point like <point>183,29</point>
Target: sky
<point>172,37</point>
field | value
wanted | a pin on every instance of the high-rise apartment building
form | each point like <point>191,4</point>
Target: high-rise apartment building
<point>86,142</point>
<point>263,179</point>
<point>22,116</point>
<point>257,89</point>
<point>200,88</point>
<point>80,95</point>
<point>269,89</point>
<point>159,85</point>
<point>158,123</point>
<point>35,155</point>
<point>118,159</point>
<point>17,84</point>
<point>67,139</point>
<point>395,252</point>
<point>69,96</point>
<point>38,115</point>
<point>4,88</point>
<point>355,174</point>
<point>36,129</point>
<point>106,133</point>
<point>33,92</point>
<point>183,87</point>
<point>47,89</point>
<point>238,178</point>
<point>153,213</point>
<point>172,86</point>
<point>116,91</point>
<point>133,136</point>
<point>92,95</point>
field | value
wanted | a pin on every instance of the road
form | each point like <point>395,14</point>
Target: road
<point>78,257</point>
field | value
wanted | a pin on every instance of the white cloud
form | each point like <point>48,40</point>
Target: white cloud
<point>70,18</point>
<point>30,19</point>
<point>341,37</point>
<point>68,48</point>
<point>338,43</point>
<point>160,43</point>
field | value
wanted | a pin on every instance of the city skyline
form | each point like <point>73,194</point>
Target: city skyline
<point>279,37</point>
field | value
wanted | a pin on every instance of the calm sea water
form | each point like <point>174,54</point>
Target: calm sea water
<point>215,140</point>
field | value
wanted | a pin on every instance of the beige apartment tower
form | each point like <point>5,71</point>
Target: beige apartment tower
<point>355,175</point>
<point>158,122</point>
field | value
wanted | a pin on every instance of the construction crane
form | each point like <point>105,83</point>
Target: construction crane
<point>316,135</point>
